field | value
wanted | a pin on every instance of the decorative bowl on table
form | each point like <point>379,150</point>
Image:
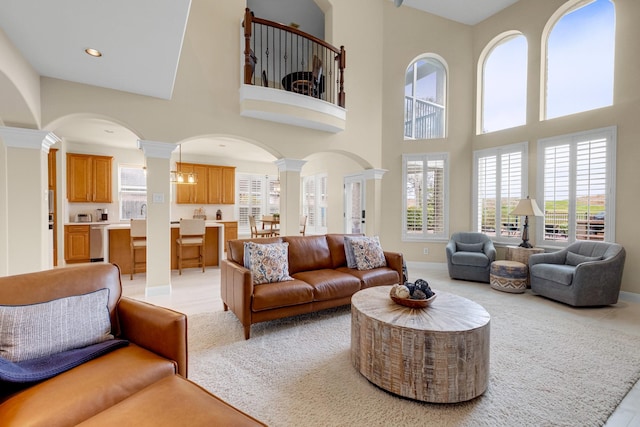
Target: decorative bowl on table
<point>413,295</point>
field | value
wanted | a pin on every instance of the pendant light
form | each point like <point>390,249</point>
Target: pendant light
<point>179,177</point>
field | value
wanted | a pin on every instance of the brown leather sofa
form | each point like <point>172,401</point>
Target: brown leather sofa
<point>322,279</point>
<point>142,383</point>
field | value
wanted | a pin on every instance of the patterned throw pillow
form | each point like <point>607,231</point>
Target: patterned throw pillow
<point>37,330</point>
<point>268,263</point>
<point>368,253</point>
<point>348,252</point>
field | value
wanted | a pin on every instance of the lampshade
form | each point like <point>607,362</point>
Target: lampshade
<point>527,207</point>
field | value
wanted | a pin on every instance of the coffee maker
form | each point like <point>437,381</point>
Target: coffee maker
<point>103,214</point>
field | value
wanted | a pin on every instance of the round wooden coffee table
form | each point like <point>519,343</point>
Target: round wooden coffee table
<point>437,354</point>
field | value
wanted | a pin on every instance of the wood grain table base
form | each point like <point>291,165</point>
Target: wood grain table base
<point>438,354</point>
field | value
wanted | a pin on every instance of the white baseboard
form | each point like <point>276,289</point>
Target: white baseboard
<point>429,265</point>
<point>629,296</point>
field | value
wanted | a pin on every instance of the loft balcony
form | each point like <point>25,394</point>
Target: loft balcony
<point>291,77</point>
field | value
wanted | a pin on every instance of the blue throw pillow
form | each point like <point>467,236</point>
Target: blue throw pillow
<point>469,247</point>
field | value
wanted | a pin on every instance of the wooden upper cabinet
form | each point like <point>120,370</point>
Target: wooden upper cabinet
<point>89,178</point>
<point>216,185</point>
<point>228,186</point>
<point>52,168</point>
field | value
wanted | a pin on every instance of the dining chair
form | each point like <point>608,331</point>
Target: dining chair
<point>303,224</point>
<point>192,233</point>
<point>254,229</point>
<point>137,240</point>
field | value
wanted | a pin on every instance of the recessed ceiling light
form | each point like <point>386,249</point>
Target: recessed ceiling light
<point>93,52</point>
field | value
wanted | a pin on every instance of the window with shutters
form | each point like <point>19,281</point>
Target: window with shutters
<point>425,185</point>
<point>256,195</point>
<point>314,203</point>
<point>578,58</point>
<point>132,192</point>
<point>577,187</point>
<point>500,181</point>
<point>425,98</point>
<point>503,83</point>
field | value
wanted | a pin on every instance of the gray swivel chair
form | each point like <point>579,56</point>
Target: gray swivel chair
<point>469,256</point>
<point>585,273</point>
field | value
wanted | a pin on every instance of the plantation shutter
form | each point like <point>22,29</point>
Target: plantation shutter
<point>557,162</point>
<point>510,190</point>
<point>424,201</point>
<point>487,184</point>
<point>500,179</point>
<point>435,197</point>
<point>578,178</point>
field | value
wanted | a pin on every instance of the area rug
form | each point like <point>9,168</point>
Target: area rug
<point>548,368</point>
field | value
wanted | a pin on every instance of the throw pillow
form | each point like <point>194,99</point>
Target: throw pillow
<point>368,253</point>
<point>575,259</point>
<point>268,263</point>
<point>37,330</point>
<point>348,252</point>
<point>469,247</point>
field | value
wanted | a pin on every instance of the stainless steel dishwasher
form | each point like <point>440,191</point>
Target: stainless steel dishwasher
<point>96,242</point>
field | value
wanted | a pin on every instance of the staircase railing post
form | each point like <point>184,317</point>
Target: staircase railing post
<point>342,61</point>
<point>248,66</point>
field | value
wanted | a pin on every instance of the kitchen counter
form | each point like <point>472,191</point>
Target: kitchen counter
<point>117,248</point>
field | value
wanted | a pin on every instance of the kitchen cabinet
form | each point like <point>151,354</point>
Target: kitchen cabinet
<point>216,185</point>
<point>89,178</point>
<point>76,243</point>
<point>230,231</point>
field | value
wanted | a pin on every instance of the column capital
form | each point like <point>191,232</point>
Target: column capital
<point>289,165</point>
<point>373,173</point>
<point>28,138</point>
<point>157,149</point>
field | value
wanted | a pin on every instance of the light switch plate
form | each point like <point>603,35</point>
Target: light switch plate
<point>158,197</point>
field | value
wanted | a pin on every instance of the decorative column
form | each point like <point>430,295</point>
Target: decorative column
<point>373,200</point>
<point>289,171</point>
<point>158,156</point>
<point>25,245</point>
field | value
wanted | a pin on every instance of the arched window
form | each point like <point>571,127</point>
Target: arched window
<point>579,60</point>
<point>425,99</point>
<point>503,75</point>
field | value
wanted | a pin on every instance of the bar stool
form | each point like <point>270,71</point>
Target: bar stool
<point>137,240</point>
<point>192,233</point>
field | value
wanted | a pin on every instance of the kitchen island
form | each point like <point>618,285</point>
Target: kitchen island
<point>118,246</point>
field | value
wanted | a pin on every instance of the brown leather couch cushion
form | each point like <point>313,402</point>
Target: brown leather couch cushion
<point>281,294</point>
<point>86,390</point>
<point>376,277</point>
<point>173,401</point>
<point>308,253</point>
<point>330,284</point>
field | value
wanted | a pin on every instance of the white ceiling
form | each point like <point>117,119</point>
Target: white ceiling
<point>140,41</point>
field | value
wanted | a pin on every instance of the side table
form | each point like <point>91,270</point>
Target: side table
<point>520,254</point>
<point>517,253</point>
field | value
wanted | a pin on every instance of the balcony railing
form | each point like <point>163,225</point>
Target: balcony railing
<point>283,57</point>
<point>426,122</point>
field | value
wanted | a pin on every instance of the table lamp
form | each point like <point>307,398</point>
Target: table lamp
<point>525,208</point>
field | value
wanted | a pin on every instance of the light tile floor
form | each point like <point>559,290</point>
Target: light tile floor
<point>196,292</point>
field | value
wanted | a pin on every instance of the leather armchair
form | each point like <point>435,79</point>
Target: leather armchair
<point>469,256</point>
<point>585,273</point>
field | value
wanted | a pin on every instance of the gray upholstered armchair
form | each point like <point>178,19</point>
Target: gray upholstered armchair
<point>585,273</point>
<point>469,256</point>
